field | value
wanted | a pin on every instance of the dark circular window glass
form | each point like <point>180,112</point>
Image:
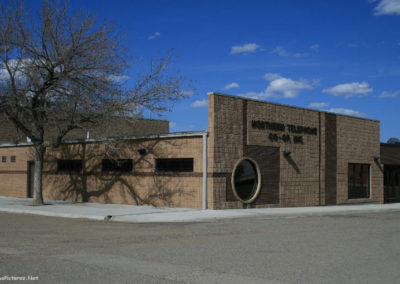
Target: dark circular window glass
<point>246,180</point>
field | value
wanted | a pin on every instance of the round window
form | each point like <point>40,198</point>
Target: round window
<point>246,180</point>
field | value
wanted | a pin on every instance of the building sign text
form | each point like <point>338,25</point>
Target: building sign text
<point>297,130</point>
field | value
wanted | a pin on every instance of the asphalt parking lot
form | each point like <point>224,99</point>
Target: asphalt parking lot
<point>346,248</point>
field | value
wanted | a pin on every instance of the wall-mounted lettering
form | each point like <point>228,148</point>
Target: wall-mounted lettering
<point>298,139</point>
<point>275,126</point>
<point>286,138</point>
<point>273,137</point>
<point>298,129</point>
<point>280,127</point>
<point>260,124</point>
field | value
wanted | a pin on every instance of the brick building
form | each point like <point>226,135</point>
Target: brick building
<point>116,127</point>
<point>255,154</point>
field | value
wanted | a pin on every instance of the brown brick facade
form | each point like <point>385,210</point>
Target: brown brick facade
<point>302,156</point>
<point>117,127</point>
<point>141,186</point>
<point>330,159</point>
<point>358,142</point>
<point>13,175</point>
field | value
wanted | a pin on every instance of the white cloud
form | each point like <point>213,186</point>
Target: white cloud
<point>187,93</point>
<point>387,7</point>
<point>318,105</point>
<point>285,86</point>
<point>299,54</point>
<point>281,51</point>
<point>349,89</point>
<point>386,95</point>
<point>153,36</point>
<point>231,86</point>
<point>315,47</point>
<point>180,128</point>
<point>280,87</point>
<point>245,48</point>
<point>4,75</point>
<point>272,76</point>
<point>346,111</point>
<point>17,66</point>
<point>118,78</point>
<point>201,103</point>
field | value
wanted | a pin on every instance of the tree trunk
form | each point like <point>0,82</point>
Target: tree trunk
<point>84,193</point>
<point>37,180</point>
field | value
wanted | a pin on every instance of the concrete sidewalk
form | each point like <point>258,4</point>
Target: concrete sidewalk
<point>150,214</point>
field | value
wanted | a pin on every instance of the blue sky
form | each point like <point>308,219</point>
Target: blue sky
<point>339,56</point>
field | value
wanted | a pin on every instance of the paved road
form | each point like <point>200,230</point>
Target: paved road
<point>363,248</point>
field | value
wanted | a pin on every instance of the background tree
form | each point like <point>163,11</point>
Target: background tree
<point>393,140</point>
<point>62,71</point>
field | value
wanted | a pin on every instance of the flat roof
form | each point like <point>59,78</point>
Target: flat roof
<point>116,138</point>
<point>296,107</point>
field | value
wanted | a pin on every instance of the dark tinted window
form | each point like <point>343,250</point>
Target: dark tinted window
<point>69,165</point>
<point>358,178</point>
<point>12,159</point>
<point>117,165</point>
<point>245,180</point>
<point>3,159</point>
<point>174,165</point>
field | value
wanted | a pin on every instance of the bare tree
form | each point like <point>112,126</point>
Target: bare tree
<point>393,140</point>
<point>62,71</point>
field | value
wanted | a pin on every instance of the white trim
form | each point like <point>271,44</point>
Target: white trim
<point>258,190</point>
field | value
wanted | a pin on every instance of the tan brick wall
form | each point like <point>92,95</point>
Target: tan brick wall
<point>226,131</point>
<point>322,134</point>
<point>302,174</point>
<point>225,144</point>
<point>299,173</point>
<point>13,175</point>
<point>141,186</point>
<point>358,142</point>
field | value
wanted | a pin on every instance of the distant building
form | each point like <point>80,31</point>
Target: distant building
<point>115,127</point>
<point>255,154</point>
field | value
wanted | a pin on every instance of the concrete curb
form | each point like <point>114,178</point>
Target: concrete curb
<point>50,214</point>
<point>149,214</point>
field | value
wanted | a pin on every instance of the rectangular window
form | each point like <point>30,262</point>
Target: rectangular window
<point>174,165</point>
<point>358,179</point>
<point>117,165</point>
<point>69,166</point>
<point>12,159</point>
<point>3,159</point>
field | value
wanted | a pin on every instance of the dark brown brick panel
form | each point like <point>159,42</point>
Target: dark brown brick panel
<point>330,159</point>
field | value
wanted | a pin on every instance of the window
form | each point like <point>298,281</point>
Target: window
<point>3,159</point>
<point>174,165</point>
<point>69,166</point>
<point>118,165</point>
<point>358,179</point>
<point>12,159</point>
<point>392,175</point>
<point>246,183</point>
